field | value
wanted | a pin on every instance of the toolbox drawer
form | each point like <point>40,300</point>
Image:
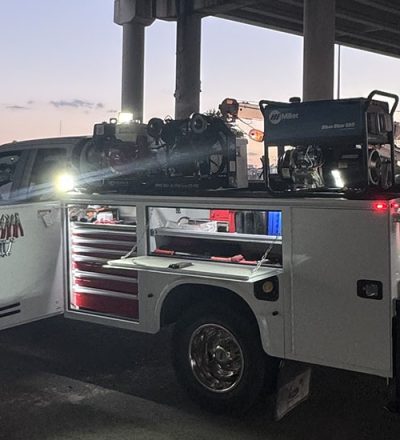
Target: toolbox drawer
<point>95,288</point>
<point>98,268</point>
<point>106,282</point>
<point>119,307</point>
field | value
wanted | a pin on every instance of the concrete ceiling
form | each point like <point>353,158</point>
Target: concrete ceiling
<point>372,25</point>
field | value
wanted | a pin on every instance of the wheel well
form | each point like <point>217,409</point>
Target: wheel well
<point>183,297</point>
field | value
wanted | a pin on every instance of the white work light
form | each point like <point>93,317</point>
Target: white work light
<point>338,178</point>
<point>125,118</point>
<point>64,182</point>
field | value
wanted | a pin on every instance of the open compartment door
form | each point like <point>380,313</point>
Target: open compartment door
<point>31,263</point>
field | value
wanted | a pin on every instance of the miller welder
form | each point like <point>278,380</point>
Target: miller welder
<point>343,145</point>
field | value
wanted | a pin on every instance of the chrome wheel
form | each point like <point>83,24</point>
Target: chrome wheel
<point>216,358</point>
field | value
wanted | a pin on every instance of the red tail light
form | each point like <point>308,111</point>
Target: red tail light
<point>380,206</point>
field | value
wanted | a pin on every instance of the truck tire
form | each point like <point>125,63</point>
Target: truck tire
<point>219,360</point>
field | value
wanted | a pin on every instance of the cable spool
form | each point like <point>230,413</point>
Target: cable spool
<point>198,123</point>
<point>155,127</point>
<point>374,167</point>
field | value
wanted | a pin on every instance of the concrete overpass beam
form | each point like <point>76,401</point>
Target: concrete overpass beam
<point>221,6</point>
<point>319,49</point>
<point>188,61</point>
<point>165,9</point>
<point>133,16</point>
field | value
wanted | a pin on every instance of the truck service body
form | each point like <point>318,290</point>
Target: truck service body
<point>308,273</point>
<point>320,315</point>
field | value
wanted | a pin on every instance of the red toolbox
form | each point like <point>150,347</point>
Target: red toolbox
<point>225,219</point>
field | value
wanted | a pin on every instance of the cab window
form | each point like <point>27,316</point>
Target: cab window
<point>8,168</point>
<point>49,162</point>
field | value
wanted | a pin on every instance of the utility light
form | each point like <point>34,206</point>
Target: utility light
<point>268,287</point>
<point>256,135</point>
<point>64,182</point>
<point>338,178</point>
<point>125,118</point>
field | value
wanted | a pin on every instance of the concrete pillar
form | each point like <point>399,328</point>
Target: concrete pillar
<point>188,60</point>
<point>319,49</point>
<point>133,16</point>
<point>133,69</point>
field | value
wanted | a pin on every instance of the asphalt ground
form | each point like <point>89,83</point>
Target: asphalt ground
<point>62,379</point>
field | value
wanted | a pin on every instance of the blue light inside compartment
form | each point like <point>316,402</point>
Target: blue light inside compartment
<point>274,223</point>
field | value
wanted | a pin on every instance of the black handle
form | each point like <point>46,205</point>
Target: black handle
<point>387,95</point>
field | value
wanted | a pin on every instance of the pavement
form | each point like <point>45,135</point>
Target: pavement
<point>62,379</point>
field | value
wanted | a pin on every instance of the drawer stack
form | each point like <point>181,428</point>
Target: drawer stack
<point>94,288</point>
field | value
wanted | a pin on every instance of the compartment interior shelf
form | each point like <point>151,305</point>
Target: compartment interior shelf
<point>208,245</point>
<point>224,236</point>
<point>117,227</point>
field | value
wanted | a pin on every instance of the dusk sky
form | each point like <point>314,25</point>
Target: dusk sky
<point>61,67</point>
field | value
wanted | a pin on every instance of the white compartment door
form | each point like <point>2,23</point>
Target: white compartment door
<point>336,252</point>
<point>31,266</point>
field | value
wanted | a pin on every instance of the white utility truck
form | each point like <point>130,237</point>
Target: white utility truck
<point>303,266</point>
